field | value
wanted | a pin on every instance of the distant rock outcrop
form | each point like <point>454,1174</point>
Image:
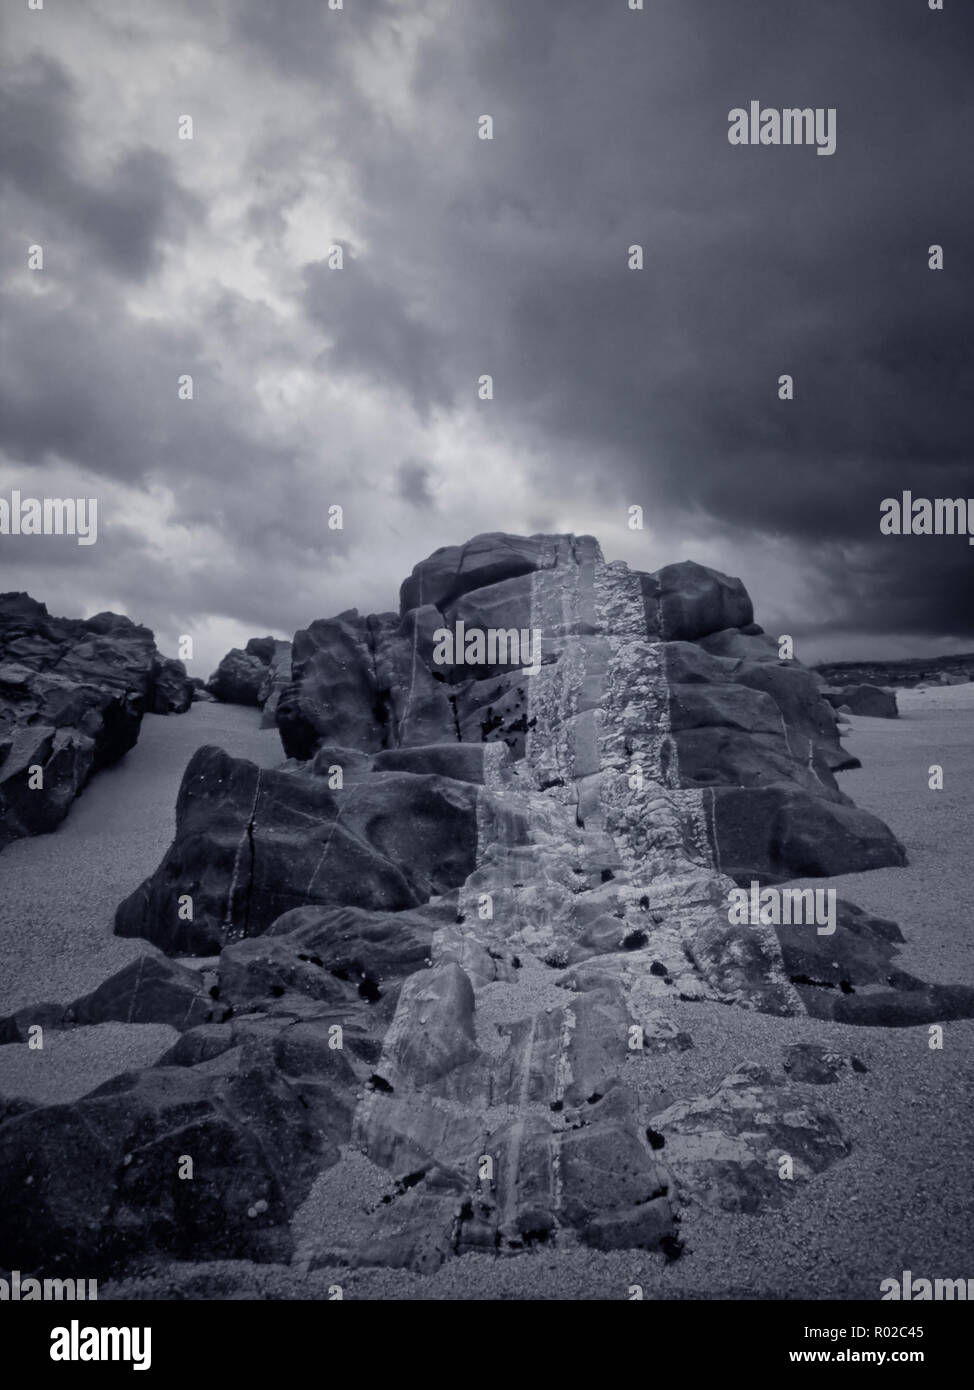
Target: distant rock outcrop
<point>445,935</point>
<point>255,676</point>
<point>72,696</point>
<point>864,699</point>
<point>922,670</point>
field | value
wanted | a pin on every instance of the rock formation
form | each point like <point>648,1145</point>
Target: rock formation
<point>255,676</point>
<point>863,699</point>
<point>72,696</point>
<point>441,938</point>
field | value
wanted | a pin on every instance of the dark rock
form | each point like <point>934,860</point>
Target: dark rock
<point>238,678</point>
<point>150,989</point>
<point>751,723</point>
<point>263,967</point>
<point>614,1193</point>
<point>252,844</point>
<point>864,699</point>
<point>354,943</point>
<point>257,1137</point>
<point>850,976</point>
<point>496,710</point>
<point>695,601</point>
<point>777,833</point>
<point>172,690</point>
<point>816,1065</point>
<point>455,570</point>
<point>726,1147</point>
<point>72,696</point>
<point>12,1106</point>
<point>277,676</point>
<point>464,762</point>
<point>15,1028</point>
<point>362,683</point>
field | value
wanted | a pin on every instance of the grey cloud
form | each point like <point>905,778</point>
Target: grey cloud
<point>758,263</point>
<point>305,38</point>
<point>509,257</point>
<point>377,333</point>
<point>124,215</point>
<point>413,483</point>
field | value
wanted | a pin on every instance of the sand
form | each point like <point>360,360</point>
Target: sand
<point>902,1200</point>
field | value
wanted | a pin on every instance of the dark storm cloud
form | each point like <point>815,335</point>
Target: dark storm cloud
<point>413,479</point>
<point>508,257</point>
<point>611,129</point>
<point>123,214</point>
<point>376,333</point>
<point>305,37</point>
<point>82,384</point>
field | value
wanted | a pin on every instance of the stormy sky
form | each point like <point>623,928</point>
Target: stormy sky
<point>313,386</point>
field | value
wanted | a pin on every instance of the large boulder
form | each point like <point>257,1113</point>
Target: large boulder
<point>454,570</point>
<point>238,678</point>
<point>363,683</point>
<point>754,711</point>
<point>695,601</point>
<point>779,832</point>
<point>251,844</point>
<point>190,1162</point>
<point>173,690</point>
<point>870,700</point>
<point>256,675</point>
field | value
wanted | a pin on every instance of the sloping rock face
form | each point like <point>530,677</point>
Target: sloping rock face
<point>254,1129</point>
<point>151,989</point>
<point>460,910</point>
<point>251,844</point>
<point>255,676</point>
<point>72,696</point>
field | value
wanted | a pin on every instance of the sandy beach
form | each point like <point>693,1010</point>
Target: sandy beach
<point>836,1236</point>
